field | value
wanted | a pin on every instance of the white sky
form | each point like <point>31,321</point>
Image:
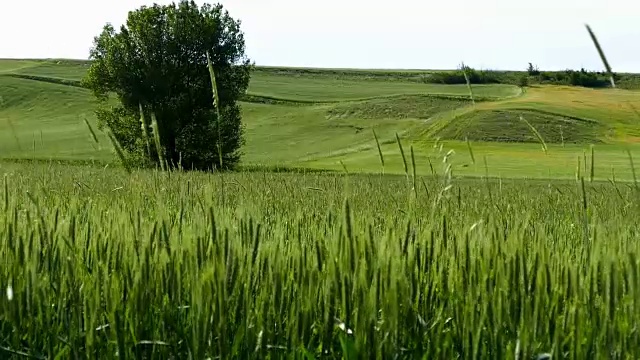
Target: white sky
<point>409,34</point>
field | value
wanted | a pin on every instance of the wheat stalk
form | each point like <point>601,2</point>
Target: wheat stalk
<point>602,55</point>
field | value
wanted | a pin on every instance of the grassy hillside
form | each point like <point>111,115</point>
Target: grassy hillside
<point>43,120</point>
<point>324,119</point>
<point>331,89</point>
<point>611,114</point>
<point>311,87</point>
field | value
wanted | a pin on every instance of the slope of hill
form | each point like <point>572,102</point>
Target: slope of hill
<point>324,120</point>
<point>605,115</point>
<point>43,120</point>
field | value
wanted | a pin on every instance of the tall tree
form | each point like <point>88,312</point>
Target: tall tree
<point>157,62</point>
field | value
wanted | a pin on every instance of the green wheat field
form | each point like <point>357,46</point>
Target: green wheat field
<point>374,217</point>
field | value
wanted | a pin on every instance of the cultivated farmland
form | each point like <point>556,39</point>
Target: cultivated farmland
<point>456,231</point>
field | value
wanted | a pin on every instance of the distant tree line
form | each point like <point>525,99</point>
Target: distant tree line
<point>582,77</point>
<point>531,75</point>
<point>458,76</point>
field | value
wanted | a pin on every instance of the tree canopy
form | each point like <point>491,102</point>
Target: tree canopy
<point>157,63</point>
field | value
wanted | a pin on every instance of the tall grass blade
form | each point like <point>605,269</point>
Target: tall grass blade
<point>413,170</point>
<point>578,170</point>
<point>119,151</point>
<point>536,133</point>
<point>593,162</point>
<point>6,193</point>
<point>585,209</point>
<point>145,129</point>
<point>216,105</point>
<point>158,141</point>
<point>602,55</point>
<point>633,171</point>
<point>344,167</point>
<point>379,149</point>
<point>404,159</point>
<point>15,135</point>
<point>468,81</point>
<point>93,133</point>
<point>473,158</point>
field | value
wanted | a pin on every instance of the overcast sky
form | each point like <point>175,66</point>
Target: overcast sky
<point>409,34</point>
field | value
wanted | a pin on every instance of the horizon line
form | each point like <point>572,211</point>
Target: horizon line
<point>329,68</point>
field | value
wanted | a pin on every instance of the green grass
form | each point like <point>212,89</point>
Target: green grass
<point>262,265</point>
<point>505,160</point>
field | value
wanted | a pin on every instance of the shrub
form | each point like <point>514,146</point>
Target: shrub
<point>457,77</point>
<point>523,81</point>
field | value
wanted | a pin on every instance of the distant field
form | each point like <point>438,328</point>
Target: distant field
<point>290,86</point>
<point>7,65</point>
<point>320,118</point>
<point>319,89</point>
<point>56,69</point>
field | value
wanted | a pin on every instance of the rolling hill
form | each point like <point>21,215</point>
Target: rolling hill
<point>324,119</point>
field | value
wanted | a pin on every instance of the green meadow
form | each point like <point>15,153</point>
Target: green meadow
<point>374,216</point>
